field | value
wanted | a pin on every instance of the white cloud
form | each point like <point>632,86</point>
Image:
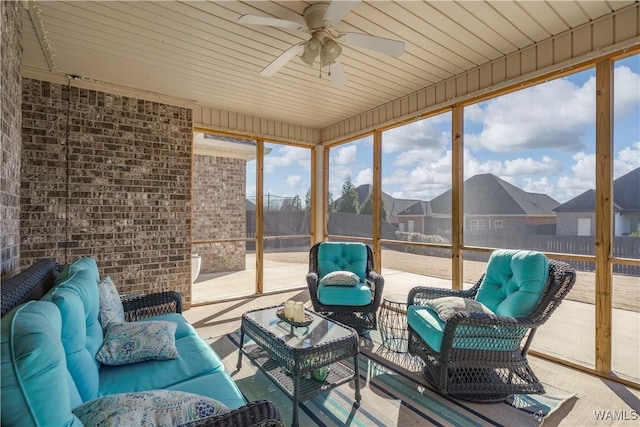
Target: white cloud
<point>422,135</point>
<point>365,176</point>
<point>627,160</point>
<point>293,181</point>
<point>346,155</point>
<point>286,155</point>
<point>553,114</point>
<point>626,92</point>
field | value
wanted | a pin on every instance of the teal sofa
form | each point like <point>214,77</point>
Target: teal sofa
<point>49,348</point>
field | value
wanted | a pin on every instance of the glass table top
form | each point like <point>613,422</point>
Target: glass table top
<point>320,331</point>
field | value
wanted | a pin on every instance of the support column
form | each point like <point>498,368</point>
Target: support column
<point>457,196</point>
<point>604,213</point>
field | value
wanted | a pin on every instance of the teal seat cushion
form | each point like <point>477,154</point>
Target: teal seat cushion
<point>183,327</point>
<point>36,387</point>
<point>217,385</point>
<point>514,282</point>
<point>195,358</point>
<point>78,301</point>
<point>341,256</point>
<point>426,322</point>
<point>358,295</point>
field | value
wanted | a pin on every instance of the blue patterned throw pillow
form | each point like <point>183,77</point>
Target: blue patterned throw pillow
<point>132,342</point>
<point>340,278</point>
<point>149,408</point>
<point>110,305</point>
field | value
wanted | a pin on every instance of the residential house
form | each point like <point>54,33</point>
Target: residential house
<point>576,217</point>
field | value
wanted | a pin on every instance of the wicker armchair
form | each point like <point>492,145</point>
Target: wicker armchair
<point>482,357</point>
<point>361,317</point>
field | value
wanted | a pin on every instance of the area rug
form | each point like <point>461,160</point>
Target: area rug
<point>393,394</point>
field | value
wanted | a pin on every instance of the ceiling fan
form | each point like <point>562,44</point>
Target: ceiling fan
<point>319,20</point>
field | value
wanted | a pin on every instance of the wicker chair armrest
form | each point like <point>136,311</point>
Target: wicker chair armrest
<point>138,307</point>
<point>508,330</point>
<point>419,294</point>
<point>376,282</point>
<point>259,413</point>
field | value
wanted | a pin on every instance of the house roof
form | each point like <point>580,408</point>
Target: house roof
<point>626,196</point>
<point>486,194</point>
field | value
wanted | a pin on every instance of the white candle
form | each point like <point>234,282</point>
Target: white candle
<point>298,312</point>
<point>288,309</point>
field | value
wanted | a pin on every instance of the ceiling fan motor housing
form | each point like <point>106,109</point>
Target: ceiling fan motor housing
<point>314,16</point>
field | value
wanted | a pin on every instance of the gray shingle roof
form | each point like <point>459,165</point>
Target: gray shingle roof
<point>486,194</point>
<point>626,196</point>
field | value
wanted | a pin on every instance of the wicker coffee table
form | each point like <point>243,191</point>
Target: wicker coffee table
<point>289,356</point>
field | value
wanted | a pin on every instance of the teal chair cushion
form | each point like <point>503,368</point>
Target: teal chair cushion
<point>36,387</point>
<point>514,282</point>
<point>78,301</point>
<point>358,295</point>
<point>340,256</point>
<point>425,322</point>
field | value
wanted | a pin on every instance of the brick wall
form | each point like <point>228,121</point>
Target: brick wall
<point>10,114</point>
<point>117,187</point>
<point>219,211</point>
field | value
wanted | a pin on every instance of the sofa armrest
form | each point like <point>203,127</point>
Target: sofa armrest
<point>138,307</point>
<point>259,413</point>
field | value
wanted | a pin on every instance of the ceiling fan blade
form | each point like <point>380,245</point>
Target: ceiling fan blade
<point>337,10</point>
<point>338,77</point>
<point>282,60</point>
<point>379,44</point>
<point>273,22</point>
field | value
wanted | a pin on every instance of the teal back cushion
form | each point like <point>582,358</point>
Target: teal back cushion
<point>514,282</point>
<point>77,299</point>
<point>84,263</point>
<point>36,390</point>
<point>337,256</point>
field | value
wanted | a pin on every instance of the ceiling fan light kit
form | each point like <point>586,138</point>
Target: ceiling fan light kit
<point>320,18</point>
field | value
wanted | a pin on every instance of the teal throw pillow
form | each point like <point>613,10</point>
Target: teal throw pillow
<point>340,278</point>
<point>448,306</point>
<point>132,342</point>
<point>110,304</point>
<point>149,408</point>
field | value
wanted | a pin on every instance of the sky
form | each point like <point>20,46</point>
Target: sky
<point>541,139</point>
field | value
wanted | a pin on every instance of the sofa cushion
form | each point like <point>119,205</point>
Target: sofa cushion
<point>111,309</point>
<point>195,359</point>
<point>514,282</point>
<point>184,328</point>
<point>217,385</point>
<point>151,408</point>
<point>133,342</point>
<point>358,295</point>
<point>83,263</point>
<point>334,256</point>
<point>426,322</point>
<point>36,386</point>
<point>78,301</point>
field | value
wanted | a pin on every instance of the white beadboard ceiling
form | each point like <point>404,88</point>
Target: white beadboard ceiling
<point>197,51</point>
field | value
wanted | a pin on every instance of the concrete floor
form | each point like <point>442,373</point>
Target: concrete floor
<point>569,334</point>
<point>593,393</point>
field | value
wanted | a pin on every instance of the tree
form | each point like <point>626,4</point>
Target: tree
<point>367,207</point>
<point>348,201</point>
<point>307,200</point>
<point>291,204</point>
